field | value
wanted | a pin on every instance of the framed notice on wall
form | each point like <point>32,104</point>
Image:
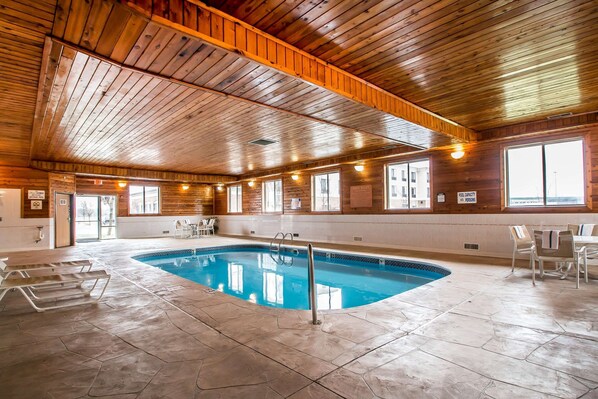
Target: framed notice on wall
<point>361,196</point>
<point>36,194</point>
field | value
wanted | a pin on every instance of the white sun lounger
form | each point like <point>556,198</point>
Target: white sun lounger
<point>55,290</point>
<point>84,265</point>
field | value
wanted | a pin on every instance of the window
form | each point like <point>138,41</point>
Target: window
<point>235,199</point>
<point>415,193</point>
<point>545,174</point>
<point>326,193</point>
<point>394,190</point>
<point>393,174</point>
<point>144,200</point>
<point>272,196</point>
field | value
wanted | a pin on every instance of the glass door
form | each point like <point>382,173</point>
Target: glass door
<point>107,217</point>
<point>95,217</point>
<point>87,218</point>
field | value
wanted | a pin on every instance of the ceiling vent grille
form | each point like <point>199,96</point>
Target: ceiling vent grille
<point>262,142</point>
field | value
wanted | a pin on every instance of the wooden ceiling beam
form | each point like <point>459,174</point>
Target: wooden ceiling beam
<point>128,173</point>
<point>221,30</point>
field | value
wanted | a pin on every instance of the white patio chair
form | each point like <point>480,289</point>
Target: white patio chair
<point>523,243</point>
<point>182,229</point>
<point>565,253</point>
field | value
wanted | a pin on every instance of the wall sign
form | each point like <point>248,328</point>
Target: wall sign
<point>467,197</point>
<point>361,196</point>
<point>62,202</point>
<point>36,204</point>
<point>295,203</point>
<point>440,197</point>
<point>36,194</point>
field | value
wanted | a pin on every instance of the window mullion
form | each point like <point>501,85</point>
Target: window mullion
<point>544,173</point>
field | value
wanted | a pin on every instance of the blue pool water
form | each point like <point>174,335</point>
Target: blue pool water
<point>255,274</point>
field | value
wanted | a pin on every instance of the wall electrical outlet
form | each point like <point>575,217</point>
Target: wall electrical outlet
<point>357,238</point>
<point>165,231</point>
<point>471,246</point>
<point>252,232</point>
<point>295,234</point>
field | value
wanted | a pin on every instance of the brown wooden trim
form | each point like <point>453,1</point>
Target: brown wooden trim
<point>580,121</point>
<point>302,65</point>
<point>127,173</point>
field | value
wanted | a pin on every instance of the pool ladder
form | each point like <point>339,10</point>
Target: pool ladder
<point>280,236</point>
<point>275,247</point>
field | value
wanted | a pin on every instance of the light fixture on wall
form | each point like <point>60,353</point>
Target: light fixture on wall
<point>295,176</point>
<point>251,183</point>
<point>185,187</point>
<point>359,167</point>
<point>458,153</point>
<point>219,187</point>
<point>122,184</point>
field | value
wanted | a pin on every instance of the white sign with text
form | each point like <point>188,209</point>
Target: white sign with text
<point>467,197</point>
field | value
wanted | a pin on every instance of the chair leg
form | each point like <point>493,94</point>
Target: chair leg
<point>534,273</point>
<point>513,261</point>
<point>577,272</point>
<point>541,264</point>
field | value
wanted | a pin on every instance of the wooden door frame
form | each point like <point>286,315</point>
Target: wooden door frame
<point>71,215</point>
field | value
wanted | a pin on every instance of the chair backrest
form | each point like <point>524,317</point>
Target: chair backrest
<point>178,224</point>
<point>595,231</point>
<point>211,222</point>
<point>566,247</point>
<point>523,238</point>
<point>573,228</point>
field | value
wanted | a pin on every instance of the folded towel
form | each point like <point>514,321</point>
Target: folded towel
<point>550,239</point>
<point>519,231</point>
<point>586,229</point>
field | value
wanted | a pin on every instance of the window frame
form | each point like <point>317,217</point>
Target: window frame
<point>264,184</point>
<point>144,213</point>
<point>239,188</point>
<point>406,188</point>
<point>313,191</point>
<point>505,202</point>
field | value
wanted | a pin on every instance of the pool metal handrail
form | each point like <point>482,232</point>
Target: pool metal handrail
<point>312,285</point>
<point>281,242</point>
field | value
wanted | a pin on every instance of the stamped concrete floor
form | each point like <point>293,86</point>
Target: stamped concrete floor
<point>481,332</point>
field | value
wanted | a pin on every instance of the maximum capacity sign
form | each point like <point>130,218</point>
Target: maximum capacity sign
<point>467,197</point>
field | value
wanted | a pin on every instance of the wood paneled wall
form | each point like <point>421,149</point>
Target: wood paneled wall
<point>479,170</point>
<point>27,179</point>
<point>197,200</point>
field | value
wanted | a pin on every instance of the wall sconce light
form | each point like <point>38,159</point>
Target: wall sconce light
<point>122,184</point>
<point>458,153</point>
<point>185,187</point>
<point>219,187</point>
<point>295,176</point>
<point>251,183</point>
<point>359,168</point>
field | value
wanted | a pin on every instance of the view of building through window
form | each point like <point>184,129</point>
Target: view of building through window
<point>326,192</point>
<point>415,191</point>
<point>144,200</point>
<point>545,174</point>
<point>235,199</point>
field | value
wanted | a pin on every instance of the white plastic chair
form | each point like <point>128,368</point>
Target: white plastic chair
<point>182,229</point>
<point>523,243</point>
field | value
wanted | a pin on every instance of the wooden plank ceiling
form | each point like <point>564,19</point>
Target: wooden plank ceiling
<point>129,92</point>
<point>124,88</point>
<point>483,64</point>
